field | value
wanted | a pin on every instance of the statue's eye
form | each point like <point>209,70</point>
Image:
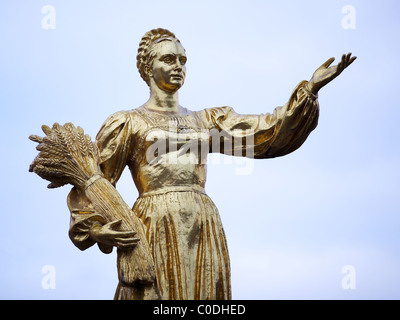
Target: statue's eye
<point>167,59</point>
<point>183,60</point>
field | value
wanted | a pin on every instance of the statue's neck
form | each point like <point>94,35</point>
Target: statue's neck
<point>161,100</point>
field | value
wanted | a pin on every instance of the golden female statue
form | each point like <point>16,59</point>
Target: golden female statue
<point>181,223</point>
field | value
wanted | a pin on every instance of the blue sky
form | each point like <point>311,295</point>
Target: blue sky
<point>292,223</point>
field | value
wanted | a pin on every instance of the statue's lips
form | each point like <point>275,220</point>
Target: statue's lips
<point>177,76</point>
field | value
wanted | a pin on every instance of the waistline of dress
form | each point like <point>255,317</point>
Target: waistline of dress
<point>164,190</point>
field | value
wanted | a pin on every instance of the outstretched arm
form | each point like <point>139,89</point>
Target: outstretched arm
<point>283,131</point>
<point>325,74</point>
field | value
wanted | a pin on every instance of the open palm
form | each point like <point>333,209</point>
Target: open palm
<point>325,74</point>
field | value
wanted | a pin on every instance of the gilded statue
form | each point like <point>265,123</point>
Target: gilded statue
<point>171,244</point>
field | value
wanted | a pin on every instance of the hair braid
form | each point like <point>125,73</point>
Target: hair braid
<point>144,56</point>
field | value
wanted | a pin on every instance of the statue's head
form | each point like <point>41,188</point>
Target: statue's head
<point>161,60</point>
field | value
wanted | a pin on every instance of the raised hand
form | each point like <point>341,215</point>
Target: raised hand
<point>325,74</point>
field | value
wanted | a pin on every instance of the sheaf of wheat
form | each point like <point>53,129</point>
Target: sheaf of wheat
<point>68,156</point>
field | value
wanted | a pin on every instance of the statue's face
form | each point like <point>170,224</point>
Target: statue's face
<point>168,69</point>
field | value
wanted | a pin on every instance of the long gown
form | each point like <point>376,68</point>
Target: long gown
<point>166,154</point>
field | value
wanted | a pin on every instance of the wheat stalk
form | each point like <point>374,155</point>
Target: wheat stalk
<point>68,156</point>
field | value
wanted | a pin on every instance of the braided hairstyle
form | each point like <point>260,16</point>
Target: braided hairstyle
<point>145,54</point>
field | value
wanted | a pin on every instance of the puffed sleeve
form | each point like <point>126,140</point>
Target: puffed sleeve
<point>265,135</point>
<point>114,142</point>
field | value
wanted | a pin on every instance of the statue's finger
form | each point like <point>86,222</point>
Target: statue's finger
<point>340,66</point>
<point>123,244</point>
<point>113,224</point>
<point>351,60</point>
<point>347,59</point>
<point>127,240</point>
<point>126,234</point>
<point>328,62</point>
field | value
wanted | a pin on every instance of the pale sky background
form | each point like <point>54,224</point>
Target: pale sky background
<point>292,223</point>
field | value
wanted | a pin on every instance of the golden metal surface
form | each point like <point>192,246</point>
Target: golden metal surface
<point>171,245</point>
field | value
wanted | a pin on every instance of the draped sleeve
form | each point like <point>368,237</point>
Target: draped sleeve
<point>266,135</point>
<point>115,144</point>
